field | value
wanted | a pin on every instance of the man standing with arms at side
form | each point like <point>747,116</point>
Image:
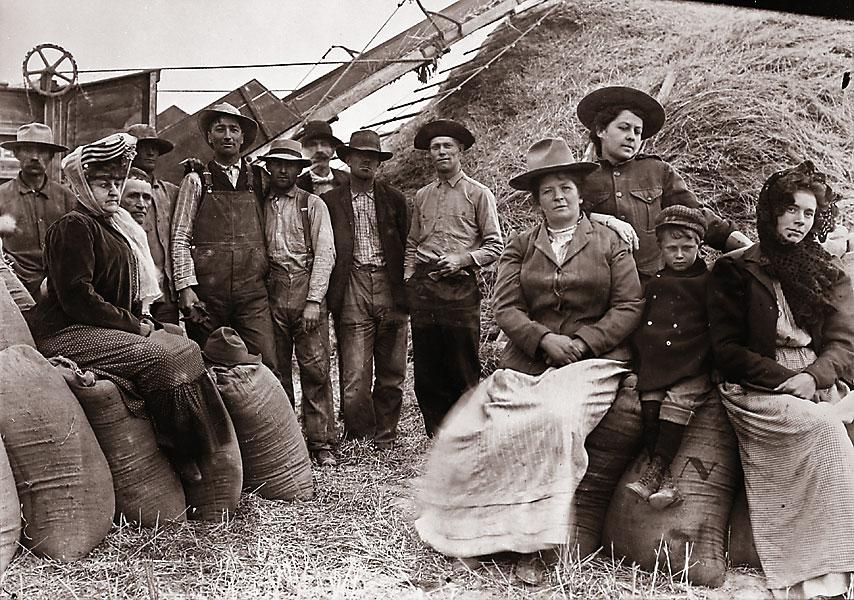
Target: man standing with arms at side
<point>318,145</point>
<point>219,256</point>
<point>158,218</point>
<point>33,201</point>
<point>454,232</point>
<point>366,293</point>
<point>301,251</point>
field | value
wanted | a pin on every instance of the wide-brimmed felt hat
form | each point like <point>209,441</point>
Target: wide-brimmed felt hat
<point>682,216</point>
<point>224,109</point>
<point>617,95</point>
<point>313,130</point>
<point>289,150</point>
<point>443,127</point>
<point>366,141</point>
<point>224,347</point>
<point>143,132</point>
<point>549,155</point>
<point>37,134</point>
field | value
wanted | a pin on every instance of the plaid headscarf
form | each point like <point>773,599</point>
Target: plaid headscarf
<point>75,165</point>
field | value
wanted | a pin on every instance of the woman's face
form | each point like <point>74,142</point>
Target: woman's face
<point>798,218</point>
<point>621,139</point>
<point>106,188</point>
<point>558,199</point>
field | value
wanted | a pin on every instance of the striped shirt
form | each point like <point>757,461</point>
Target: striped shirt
<point>367,249</point>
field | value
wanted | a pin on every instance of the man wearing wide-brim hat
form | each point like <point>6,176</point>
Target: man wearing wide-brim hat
<point>318,145</point>
<point>219,256</point>
<point>301,251</point>
<point>158,220</point>
<point>454,233</point>
<point>33,201</point>
<point>366,293</point>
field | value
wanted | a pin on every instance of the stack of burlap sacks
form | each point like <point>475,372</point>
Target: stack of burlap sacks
<point>73,460</point>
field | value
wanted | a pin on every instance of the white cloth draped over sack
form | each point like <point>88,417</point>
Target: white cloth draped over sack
<point>509,457</point>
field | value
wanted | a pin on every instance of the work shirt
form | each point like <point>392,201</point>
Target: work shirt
<point>158,228</point>
<point>34,211</point>
<point>286,239</point>
<point>367,249</point>
<point>457,215</point>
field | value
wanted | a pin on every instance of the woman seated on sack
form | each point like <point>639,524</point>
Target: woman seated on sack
<point>782,329</point>
<point>567,290</point>
<point>100,276</point>
<point>629,188</point>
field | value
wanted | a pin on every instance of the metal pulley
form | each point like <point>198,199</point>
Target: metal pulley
<point>50,70</point>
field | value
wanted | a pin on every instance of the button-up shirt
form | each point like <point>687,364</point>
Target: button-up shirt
<point>457,215</point>
<point>231,171</point>
<point>158,227</point>
<point>367,249</point>
<point>34,211</point>
<point>286,239</point>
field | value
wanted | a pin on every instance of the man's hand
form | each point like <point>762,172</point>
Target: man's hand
<point>145,327</point>
<point>311,315</point>
<point>801,385</point>
<point>561,349</point>
<point>450,264</point>
<point>187,298</point>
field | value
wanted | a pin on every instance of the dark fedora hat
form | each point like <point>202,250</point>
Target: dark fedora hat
<point>317,130</point>
<point>549,155</point>
<point>36,134</point>
<point>366,141</point>
<point>224,347</point>
<point>143,131</point>
<point>224,109</point>
<point>443,127</point>
<point>289,150</point>
<point>617,95</point>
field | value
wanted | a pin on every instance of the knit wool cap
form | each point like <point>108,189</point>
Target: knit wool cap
<point>682,216</point>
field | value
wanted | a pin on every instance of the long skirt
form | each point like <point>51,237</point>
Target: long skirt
<point>799,474</point>
<point>162,376</point>
<point>508,458</point>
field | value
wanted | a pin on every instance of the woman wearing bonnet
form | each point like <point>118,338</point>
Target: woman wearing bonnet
<point>101,279</point>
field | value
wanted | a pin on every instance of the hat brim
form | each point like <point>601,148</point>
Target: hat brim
<point>344,151</point>
<point>524,180</point>
<point>249,359</point>
<point>597,100</point>
<point>320,136</point>
<point>303,162</point>
<point>11,145</point>
<point>163,146</point>
<point>249,126</point>
<point>443,127</point>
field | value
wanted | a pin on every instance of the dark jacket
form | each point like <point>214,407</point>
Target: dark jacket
<point>393,225</point>
<point>89,277</point>
<point>339,178</point>
<point>593,294</point>
<point>743,316</point>
<point>672,342</point>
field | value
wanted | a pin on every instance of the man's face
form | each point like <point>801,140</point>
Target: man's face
<point>363,165</point>
<point>446,153</point>
<point>34,159</point>
<point>318,150</point>
<point>225,137</point>
<point>136,199</point>
<point>146,156</point>
<point>283,173</point>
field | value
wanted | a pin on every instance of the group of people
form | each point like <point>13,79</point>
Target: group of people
<point>612,275</point>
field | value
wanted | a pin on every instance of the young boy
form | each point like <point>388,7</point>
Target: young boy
<point>672,350</point>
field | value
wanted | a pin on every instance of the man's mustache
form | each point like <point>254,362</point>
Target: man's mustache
<point>320,155</point>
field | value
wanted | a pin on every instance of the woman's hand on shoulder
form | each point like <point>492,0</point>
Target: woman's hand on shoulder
<point>562,350</point>
<point>624,230</point>
<point>801,385</point>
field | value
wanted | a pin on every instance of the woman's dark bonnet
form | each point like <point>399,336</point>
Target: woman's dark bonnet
<point>778,194</point>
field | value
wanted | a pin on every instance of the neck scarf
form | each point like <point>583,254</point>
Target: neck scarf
<point>73,165</point>
<point>315,178</point>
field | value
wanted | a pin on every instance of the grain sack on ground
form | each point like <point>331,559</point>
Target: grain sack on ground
<point>13,328</point>
<point>63,480</point>
<point>276,464</point>
<point>741,548</point>
<point>706,470</point>
<point>10,512</point>
<point>147,488</point>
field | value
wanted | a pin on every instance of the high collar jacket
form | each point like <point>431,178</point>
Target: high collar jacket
<point>743,315</point>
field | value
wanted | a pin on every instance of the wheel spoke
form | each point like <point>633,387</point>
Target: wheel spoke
<point>68,79</point>
<point>57,63</point>
<point>44,58</point>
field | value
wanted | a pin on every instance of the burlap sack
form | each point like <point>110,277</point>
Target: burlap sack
<point>10,512</point>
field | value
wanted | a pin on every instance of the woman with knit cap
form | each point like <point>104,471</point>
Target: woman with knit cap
<point>782,330</point>
<point>101,279</point>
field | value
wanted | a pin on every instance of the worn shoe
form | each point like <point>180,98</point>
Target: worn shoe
<point>383,446</point>
<point>668,494</point>
<point>650,481</point>
<point>531,569</point>
<point>324,458</point>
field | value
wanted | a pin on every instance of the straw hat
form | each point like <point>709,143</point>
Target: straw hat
<point>366,141</point>
<point>249,126</point>
<point>443,127</point>
<point>36,134</point>
<point>224,347</point>
<point>289,150</point>
<point>143,131</point>
<point>549,155</point>
<point>615,95</point>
